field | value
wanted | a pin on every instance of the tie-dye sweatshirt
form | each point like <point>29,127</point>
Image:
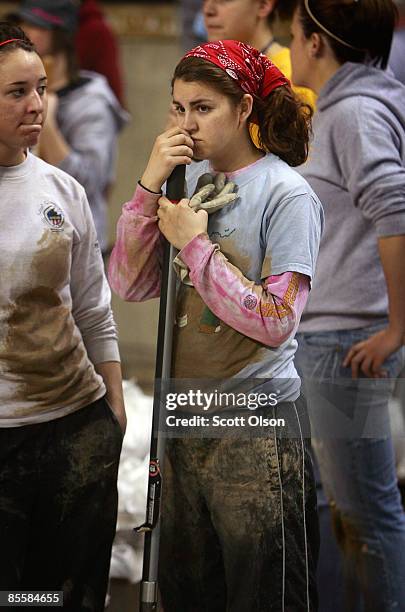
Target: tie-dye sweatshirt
<point>250,273</point>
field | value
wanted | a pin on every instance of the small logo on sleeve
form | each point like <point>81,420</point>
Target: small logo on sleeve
<point>250,302</point>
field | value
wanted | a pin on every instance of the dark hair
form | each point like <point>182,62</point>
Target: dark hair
<point>9,31</point>
<point>64,42</point>
<point>284,121</point>
<point>271,17</point>
<point>367,25</point>
<point>284,9</point>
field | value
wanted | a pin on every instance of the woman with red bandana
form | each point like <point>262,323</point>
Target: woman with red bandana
<point>239,528</point>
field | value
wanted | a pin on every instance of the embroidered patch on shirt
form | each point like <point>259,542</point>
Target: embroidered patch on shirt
<point>53,216</point>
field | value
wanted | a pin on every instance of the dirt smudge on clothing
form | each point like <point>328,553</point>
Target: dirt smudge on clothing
<point>232,251</point>
<point>43,350</point>
<point>266,266</point>
<point>51,262</point>
<point>206,355</point>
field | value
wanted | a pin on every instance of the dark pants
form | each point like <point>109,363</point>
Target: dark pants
<point>58,505</point>
<point>239,525</point>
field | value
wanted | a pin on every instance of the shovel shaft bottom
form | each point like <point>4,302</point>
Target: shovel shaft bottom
<point>148,601</point>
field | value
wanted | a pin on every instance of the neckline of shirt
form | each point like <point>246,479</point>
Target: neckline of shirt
<point>246,173</point>
<point>19,171</point>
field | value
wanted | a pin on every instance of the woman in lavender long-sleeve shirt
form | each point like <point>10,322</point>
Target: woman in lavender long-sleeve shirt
<point>251,509</point>
<point>352,332</point>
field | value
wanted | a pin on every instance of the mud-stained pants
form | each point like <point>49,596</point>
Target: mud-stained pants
<point>239,524</point>
<point>58,505</point>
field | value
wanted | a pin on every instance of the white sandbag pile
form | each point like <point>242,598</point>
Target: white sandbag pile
<point>126,560</point>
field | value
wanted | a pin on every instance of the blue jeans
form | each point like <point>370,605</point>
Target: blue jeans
<point>352,442</point>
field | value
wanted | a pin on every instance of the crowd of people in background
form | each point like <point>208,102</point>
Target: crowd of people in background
<point>344,318</point>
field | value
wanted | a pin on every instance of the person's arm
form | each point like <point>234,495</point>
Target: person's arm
<point>375,176</point>
<point>369,355</point>
<point>135,264</point>
<point>88,154</point>
<point>53,147</point>
<point>268,313</point>
<point>392,253</point>
<point>91,308</point>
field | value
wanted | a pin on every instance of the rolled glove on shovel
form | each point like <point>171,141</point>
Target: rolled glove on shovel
<point>212,193</point>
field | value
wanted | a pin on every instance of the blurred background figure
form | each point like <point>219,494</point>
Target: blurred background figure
<point>84,115</point>
<point>97,46</point>
<point>397,56</point>
<point>251,22</point>
<point>351,336</point>
<point>192,24</point>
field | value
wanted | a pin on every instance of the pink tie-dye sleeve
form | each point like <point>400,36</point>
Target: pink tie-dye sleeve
<point>135,263</point>
<point>268,313</point>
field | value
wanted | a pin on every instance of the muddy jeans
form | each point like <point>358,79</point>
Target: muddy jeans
<point>352,441</point>
<point>58,505</point>
<point>239,524</point>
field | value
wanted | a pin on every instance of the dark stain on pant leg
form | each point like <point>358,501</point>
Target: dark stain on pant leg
<point>347,534</point>
<point>365,565</point>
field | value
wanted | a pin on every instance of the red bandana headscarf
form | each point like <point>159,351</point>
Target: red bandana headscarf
<point>253,71</point>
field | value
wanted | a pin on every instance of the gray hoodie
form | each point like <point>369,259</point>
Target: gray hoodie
<point>90,117</point>
<point>356,167</point>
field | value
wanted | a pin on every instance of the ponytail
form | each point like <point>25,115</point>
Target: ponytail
<point>284,125</point>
